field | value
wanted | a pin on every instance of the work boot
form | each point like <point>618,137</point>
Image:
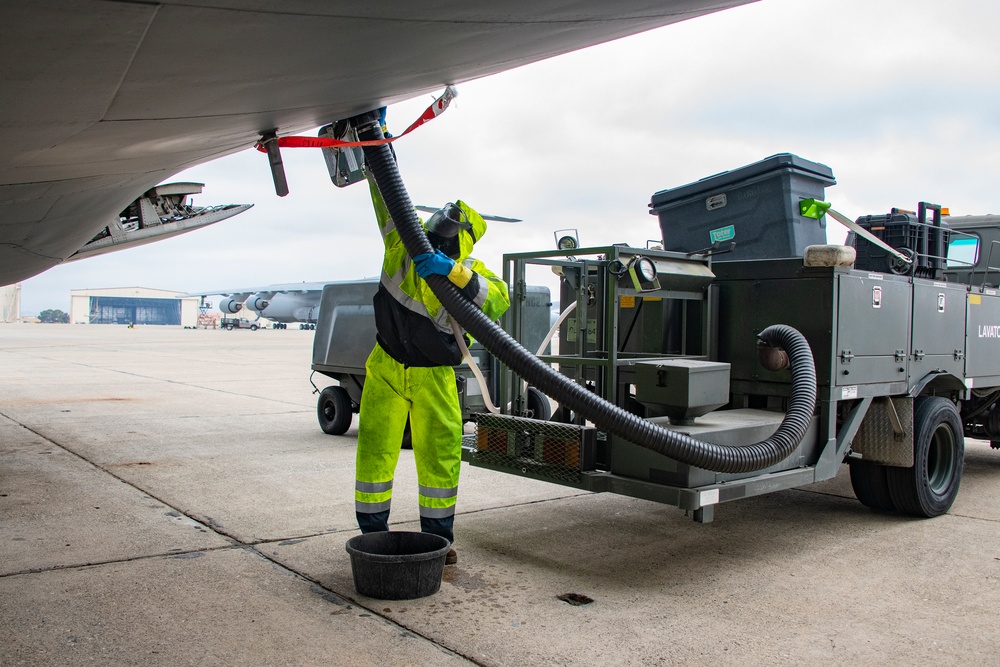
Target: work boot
<point>451,558</point>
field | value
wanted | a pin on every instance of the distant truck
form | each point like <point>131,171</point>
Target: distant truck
<point>230,323</point>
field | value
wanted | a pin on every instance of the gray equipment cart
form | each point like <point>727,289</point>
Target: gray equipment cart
<point>345,336</point>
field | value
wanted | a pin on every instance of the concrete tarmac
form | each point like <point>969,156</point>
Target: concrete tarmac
<point>167,498</point>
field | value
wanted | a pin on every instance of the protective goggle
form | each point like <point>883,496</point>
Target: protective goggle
<point>447,221</point>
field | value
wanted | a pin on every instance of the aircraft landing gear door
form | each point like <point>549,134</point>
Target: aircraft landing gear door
<point>873,337</point>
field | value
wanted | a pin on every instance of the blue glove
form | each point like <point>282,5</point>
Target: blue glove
<point>436,263</point>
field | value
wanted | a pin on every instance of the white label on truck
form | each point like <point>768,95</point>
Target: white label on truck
<point>876,276</point>
<point>849,392</point>
<point>710,497</point>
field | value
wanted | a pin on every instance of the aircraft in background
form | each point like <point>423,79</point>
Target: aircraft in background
<point>88,125</point>
<point>283,304</point>
<point>287,303</point>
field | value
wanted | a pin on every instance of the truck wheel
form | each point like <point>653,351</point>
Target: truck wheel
<point>538,405</point>
<point>253,327</point>
<point>929,487</point>
<point>334,410</point>
<point>871,485</point>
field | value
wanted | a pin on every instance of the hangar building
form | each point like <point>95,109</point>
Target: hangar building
<point>137,305</point>
<point>10,303</point>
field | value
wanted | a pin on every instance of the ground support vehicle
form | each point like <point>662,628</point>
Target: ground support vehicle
<point>906,357</point>
<point>345,336</point>
<point>230,323</point>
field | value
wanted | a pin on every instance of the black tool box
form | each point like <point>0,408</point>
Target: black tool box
<point>924,241</point>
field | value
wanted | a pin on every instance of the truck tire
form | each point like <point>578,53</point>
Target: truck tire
<point>253,327</point>
<point>871,485</point>
<point>334,410</point>
<point>929,488</point>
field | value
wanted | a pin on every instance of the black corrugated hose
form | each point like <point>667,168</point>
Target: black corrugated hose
<point>568,393</point>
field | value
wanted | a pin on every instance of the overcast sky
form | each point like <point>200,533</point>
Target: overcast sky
<point>901,98</point>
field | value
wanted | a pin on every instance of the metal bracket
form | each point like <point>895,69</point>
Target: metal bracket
<point>846,356</point>
<point>918,355</point>
<point>897,424</point>
<point>269,140</point>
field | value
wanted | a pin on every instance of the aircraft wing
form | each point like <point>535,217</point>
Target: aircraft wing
<point>271,289</point>
<point>104,99</point>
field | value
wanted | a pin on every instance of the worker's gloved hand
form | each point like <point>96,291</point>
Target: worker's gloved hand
<point>436,263</point>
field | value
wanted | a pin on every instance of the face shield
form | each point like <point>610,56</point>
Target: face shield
<point>443,227</point>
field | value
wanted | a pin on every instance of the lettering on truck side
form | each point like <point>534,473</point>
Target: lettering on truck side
<point>989,331</point>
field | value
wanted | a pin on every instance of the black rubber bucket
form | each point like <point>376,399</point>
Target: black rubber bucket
<point>397,565</point>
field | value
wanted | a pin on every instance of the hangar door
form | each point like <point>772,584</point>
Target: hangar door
<point>123,310</point>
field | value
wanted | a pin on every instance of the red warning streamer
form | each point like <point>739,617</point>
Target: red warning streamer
<point>430,113</point>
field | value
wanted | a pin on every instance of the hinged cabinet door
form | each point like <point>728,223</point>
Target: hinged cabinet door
<point>873,329</point>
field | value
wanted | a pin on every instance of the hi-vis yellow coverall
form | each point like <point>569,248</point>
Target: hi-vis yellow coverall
<point>410,374</point>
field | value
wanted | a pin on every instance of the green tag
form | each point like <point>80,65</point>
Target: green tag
<point>723,234</point>
<point>813,208</point>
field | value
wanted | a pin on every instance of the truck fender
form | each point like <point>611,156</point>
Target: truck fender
<point>938,382</point>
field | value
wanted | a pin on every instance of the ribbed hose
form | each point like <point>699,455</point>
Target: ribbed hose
<point>606,416</point>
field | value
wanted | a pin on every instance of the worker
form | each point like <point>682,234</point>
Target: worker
<point>410,372</point>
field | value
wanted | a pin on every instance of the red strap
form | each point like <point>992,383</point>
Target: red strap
<point>430,113</point>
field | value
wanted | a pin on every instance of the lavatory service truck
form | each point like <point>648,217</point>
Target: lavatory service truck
<point>743,333</point>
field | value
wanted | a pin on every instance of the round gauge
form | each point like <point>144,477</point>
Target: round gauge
<point>646,269</point>
<point>566,243</point>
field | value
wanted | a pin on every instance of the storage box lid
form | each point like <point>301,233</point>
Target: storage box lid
<point>780,162</point>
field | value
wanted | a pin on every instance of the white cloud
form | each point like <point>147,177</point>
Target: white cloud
<point>898,97</point>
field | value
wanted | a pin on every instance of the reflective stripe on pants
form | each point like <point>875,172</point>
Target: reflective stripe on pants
<point>429,397</point>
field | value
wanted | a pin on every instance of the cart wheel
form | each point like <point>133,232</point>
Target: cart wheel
<point>930,486</point>
<point>253,327</point>
<point>871,485</point>
<point>407,436</point>
<point>538,405</point>
<point>334,410</point>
